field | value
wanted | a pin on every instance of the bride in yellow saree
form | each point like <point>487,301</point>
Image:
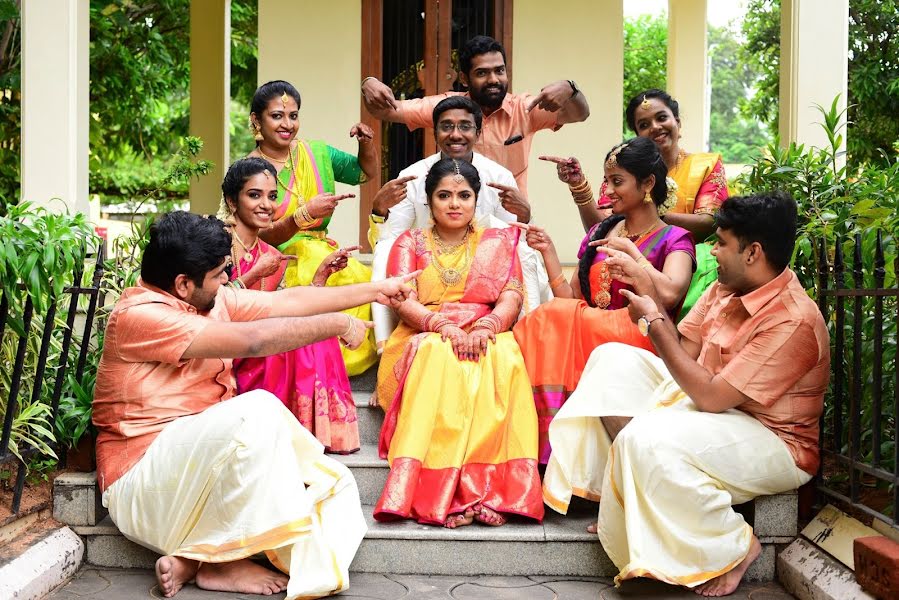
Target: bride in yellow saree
<point>461,427</point>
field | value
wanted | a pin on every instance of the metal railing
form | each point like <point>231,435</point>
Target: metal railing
<point>860,425</point>
<point>56,373</point>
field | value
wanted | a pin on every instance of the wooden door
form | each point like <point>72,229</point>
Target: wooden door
<point>412,46</point>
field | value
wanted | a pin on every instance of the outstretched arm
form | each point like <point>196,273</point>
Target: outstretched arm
<point>379,101</point>
<point>303,301</point>
<point>562,97</point>
<point>537,238</point>
<point>241,339</point>
<point>367,154</point>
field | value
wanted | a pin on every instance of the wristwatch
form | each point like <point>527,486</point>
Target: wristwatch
<point>645,321</point>
<point>574,89</point>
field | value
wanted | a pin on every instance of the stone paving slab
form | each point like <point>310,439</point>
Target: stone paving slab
<point>112,584</point>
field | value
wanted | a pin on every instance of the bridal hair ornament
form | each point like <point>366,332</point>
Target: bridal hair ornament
<point>612,161</point>
<point>458,178</point>
<point>670,197</point>
<point>645,104</point>
<point>284,99</point>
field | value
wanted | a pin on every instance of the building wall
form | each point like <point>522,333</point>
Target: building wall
<point>584,41</point>
<point>316,46</point>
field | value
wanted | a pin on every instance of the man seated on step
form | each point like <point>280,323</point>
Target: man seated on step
<point>727,411</point>
<point>402,204</point>
<point>200,475</point>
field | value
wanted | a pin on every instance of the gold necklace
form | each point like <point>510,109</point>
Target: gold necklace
<point>447,248</point>
<point>236,264</point>
<point>448,275</point>
<point>623,232</point>
<point>248,256</point>
<point>272,159</point>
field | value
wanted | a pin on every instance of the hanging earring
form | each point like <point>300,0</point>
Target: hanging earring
<point>255,130</point>
<point>647,198</point>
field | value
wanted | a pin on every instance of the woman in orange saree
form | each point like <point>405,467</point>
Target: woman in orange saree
<point>461,428</point>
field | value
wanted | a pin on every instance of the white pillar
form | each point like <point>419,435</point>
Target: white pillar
<point>55,104</point>
<point>210,96</point>
<point>688,70</point>
<point>814,66</point>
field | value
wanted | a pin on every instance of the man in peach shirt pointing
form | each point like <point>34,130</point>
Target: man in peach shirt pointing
<point>197,473</point>
<point>727,411</point>
<point>510,120</point>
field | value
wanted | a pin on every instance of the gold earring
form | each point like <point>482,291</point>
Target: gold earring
<point>257,131</point>
<point>647,198</point>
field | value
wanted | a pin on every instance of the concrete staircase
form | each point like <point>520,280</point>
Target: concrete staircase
<point>559,546</point>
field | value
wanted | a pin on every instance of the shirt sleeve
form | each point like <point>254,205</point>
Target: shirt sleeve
<point>246,305</point>
<point>690,326</point>
<point>418,113</point>
<point>773,361</point>
<point>400,219</point>
<point>713,191</point>
<point>156,332</point>
<point>346,166</point>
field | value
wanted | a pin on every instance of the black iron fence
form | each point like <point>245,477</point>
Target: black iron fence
<point>56,330</point>
<point>860,426</point>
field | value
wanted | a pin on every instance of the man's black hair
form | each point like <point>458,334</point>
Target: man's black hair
<point>183,243</point>
<point>476,46</point>
<point>768,218</point>
<point>461,102</point>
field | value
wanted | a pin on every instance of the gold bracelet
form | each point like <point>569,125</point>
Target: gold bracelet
<point>579,188</point>
<point>350,331</point>
<point>584,202</point>
<point>557,281</point>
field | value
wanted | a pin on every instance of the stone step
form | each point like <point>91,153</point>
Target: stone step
<point>558,546</point>
<point>369,470</point>
<point>369,418</point>
<point>365,382</point>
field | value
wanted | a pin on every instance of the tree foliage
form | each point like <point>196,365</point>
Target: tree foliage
<point>139,91</point>
<point>735,136</point>
<point>873,86</point>
<point>645,55</point>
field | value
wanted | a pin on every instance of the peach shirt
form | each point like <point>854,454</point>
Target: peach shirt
<point>772,345</point>
<point>508,120</point>
<point>143,383</point>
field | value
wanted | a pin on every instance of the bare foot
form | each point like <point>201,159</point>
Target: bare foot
<point>172,572</point>
<point>592,527</point>
<point>241,576</point>
<point>726,584</point>
<point>373,399</point>
<point>488,516</point>
<point>459,519</point>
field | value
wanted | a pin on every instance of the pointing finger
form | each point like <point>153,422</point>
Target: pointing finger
<point>411,276</point>
<point>628,294</point>
<point>289,257</point>
<point>523,226</point>
<point>405,180</point>
<point>537,100</point>
<point>349,249</point>
<point>368,324</point>
<point>555,159</point>
<point>339,197</point>
<point>500,186</point>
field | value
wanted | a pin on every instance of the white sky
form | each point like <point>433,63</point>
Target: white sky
<point>720,12</point>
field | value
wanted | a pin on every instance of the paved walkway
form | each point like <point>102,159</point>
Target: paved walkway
<point>110,584</point>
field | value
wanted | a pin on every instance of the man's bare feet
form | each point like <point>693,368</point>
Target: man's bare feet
<point>488,516</point>
<point>373,399</point>
<point>459,519</point>
<point>726,584</point>
<point>172,572</point>
<point>241,576</point>
<point>592,527</point>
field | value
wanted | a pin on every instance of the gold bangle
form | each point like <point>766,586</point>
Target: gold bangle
<point>351,330</point>
<point>557,281</point>
<point>580,187</point>
<point>584,202</point>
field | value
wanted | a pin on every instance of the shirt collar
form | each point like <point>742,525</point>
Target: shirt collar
<point>145,293</point>
<point>755,300</point>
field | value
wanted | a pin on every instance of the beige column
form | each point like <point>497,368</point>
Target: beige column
<point>55,103</point>
<point>210,96</point>
<point>317,46</point>
<point>814,66</point>
<point>592,53</point>
<point>688,70</point>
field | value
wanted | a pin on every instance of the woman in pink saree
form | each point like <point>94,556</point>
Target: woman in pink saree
<point>311,381</point>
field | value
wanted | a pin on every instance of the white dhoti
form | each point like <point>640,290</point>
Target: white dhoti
<point>670,478</point>
<point>533,273</point>
<point>240,478</point>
